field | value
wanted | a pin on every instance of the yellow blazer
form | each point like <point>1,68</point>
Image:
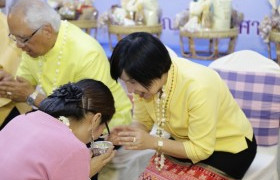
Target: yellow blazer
<point>200,112</point>
<point>9,61</point>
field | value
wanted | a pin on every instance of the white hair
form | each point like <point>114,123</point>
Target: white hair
<point>36,13</point>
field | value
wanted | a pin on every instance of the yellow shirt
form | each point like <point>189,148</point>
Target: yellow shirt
<point>82,57</point>
<point>9,61</point>
<point>201,112</point>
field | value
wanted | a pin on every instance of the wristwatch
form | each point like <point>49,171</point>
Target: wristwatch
<point>31,98</point>
<point>159,145</point>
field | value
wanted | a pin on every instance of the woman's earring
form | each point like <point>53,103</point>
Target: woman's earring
<point>92,139</point>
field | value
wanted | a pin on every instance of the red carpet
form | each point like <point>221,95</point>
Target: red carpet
<point>172,171</point>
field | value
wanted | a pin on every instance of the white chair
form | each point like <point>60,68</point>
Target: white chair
<point>171,52</point>
<point>252,79</point>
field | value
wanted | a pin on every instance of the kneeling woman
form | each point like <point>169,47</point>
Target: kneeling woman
<point>51,143</point>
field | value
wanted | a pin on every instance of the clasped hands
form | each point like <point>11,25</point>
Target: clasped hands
<point>16,89</point>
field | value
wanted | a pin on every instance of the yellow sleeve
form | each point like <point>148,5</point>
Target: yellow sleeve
<point>203,107</point>
<point>26,68</point>
<point>140,113</point>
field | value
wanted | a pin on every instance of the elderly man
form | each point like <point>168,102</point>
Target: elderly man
<point>55,52</point>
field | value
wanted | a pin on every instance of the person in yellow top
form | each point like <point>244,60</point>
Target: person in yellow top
<point>9,61</point>
<point>194,114</point>
<point>55,53</point>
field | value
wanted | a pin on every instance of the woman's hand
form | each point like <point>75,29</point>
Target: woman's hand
<point>98,162</point>
<point>133,138</point>
<point>113,137</point>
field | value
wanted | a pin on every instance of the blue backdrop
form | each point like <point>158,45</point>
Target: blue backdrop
<point>254,11</point>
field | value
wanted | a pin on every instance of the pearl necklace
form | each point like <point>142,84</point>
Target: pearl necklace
<point>59,57</point>
<point>162,102</point>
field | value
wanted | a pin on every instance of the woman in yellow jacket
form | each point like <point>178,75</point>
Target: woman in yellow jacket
<point>196,118</point>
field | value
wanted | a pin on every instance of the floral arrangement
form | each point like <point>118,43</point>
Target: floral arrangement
<point>271,23</point>
<point>75,9</point>
<point>131,13</point>
<point>64,120</point>
<point>208,15</point>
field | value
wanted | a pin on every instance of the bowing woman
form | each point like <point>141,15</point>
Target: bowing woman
<point>51,143</point>
<point>187,101</point>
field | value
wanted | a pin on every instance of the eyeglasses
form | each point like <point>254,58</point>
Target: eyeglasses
<point>103,136</point>
<point>107,127</point>
<point>23,40</point>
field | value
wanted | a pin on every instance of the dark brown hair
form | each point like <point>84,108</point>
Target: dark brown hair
<point>76,99</point>
<point>142,56</point>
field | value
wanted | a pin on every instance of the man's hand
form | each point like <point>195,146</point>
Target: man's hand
<point>98,162</point>
<point>5,76</point>
<point>15,89</point>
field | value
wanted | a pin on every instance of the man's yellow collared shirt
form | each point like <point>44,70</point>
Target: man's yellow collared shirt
<point>82,57</point>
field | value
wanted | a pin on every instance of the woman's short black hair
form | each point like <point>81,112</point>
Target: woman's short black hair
<point>76,99</point>
<point>142,56</point>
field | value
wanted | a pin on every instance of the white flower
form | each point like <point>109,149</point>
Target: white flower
<point>64,120</point>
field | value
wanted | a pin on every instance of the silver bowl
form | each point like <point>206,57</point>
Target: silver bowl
<point>100,147</point>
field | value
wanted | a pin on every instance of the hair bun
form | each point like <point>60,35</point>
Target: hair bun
<point>69,92</point>
<point>64,101</point>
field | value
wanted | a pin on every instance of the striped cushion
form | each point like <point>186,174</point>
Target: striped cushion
<point>258,94</point>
